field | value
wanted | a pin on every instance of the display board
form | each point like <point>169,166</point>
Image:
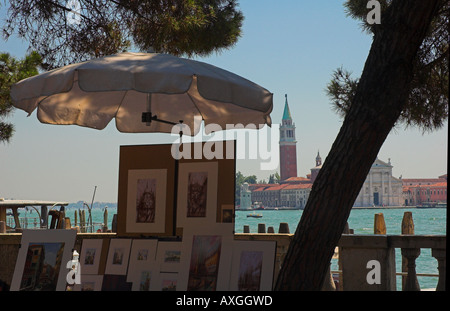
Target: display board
<point>159,195</point>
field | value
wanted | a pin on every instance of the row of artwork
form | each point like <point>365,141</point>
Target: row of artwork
<point>206,259</point>
<point>196,198</point>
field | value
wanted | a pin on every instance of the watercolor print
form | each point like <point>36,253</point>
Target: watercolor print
<point>42,267</point>
<point>168,256</point>
<point>42,260</point>
<point>204,265</point>
<point>142,256</point>
<point>118,255</point>
<point>250,268</point>
<point>206,253</point>
<point>252,265</point>
<point>168,281</point>
<point>90,255</point>
<point>144,281</point>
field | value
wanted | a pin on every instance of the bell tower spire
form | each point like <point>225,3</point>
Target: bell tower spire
<point>288,145</point>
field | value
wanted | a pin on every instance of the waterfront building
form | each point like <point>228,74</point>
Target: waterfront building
<point>419,194</point>
<point>288,145</point>
<point>295,195</point>
<point>380,188</point>
<point>268,195</point>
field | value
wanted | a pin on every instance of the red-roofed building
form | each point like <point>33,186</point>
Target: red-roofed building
<point>423,181</point>
<point>295,195</point>
<point>425,193</point>
<point>269,195</point>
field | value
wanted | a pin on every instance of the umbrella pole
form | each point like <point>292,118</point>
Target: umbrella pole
<point>147,118</point>
<point>175,197</point>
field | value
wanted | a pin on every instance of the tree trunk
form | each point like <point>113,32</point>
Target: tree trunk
<point>381,95</point>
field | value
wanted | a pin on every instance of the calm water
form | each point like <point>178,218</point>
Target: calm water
<point>426,221</point>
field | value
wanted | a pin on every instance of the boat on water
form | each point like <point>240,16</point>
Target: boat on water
<point>254,215</point>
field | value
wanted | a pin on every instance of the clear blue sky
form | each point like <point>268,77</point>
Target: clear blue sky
<point>289,47</point>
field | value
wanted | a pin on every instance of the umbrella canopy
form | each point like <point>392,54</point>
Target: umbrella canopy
<point>138,88</point>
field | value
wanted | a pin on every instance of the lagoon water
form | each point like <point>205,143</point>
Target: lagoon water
<point>431,221</point>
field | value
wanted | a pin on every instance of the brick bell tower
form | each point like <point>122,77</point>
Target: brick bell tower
<point>288,146</point>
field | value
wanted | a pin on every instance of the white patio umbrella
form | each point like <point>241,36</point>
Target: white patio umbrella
<point>139,88</point>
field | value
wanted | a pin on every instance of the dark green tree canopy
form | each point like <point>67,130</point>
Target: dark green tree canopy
<point>427,106</point>
<point>12,71</point>
<point>103,27</point>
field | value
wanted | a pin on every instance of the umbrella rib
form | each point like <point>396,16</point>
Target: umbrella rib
<point>195,105</point>
<point>120,105</point>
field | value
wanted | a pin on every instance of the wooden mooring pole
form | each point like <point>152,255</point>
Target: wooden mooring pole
<point>407,228</point>
<point>379,225</point>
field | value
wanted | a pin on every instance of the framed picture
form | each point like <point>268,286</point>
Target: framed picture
<point>142,255</point>
<point>118,255</point>
<point>206,259</point>
<point>90,255</point>
<point>145,278</point>
<point>167,281</point>
<point>168,256</point>
<point>146,201</point>
<point>227,213</point>
<point>89,283</point>
<point>197,193</point>
<point>42,260</point>
<point>252,265</point>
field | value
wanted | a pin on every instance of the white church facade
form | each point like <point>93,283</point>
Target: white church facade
<point>380,188</point>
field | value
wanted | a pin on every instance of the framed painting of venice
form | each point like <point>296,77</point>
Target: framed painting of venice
<point>90,255</point>
<point>197,194</point>
<point>146,201</point>
<point>142,256</point>
<point>168,256</point>
<point>42,260</point>
<point>252,265</point>
<point>118,256</point>
<point>167,281</point>
<point>206,259</point>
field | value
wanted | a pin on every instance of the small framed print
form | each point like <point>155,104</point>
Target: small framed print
<point>43,252</point>
<point>227,213</point>
<point>252,265</point>
<point>90,255</point>
<point>206,259</point>
<point>145,278</point>
<point>168,256</point>
<point>146,201</point>
<point>142,255</point>
<point>197,193</point>
<point>167,281</point>
<point>89,283</point>
<point>118,255</point>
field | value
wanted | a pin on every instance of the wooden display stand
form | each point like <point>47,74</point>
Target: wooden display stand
<point>157,159</point>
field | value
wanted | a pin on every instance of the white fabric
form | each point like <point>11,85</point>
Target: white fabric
<point>92,93</point>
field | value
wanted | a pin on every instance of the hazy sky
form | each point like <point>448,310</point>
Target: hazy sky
<point>289,47</point>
